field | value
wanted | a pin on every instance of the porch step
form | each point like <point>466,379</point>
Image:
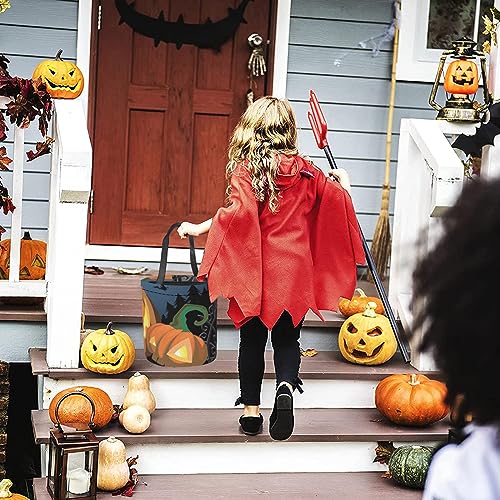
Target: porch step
<point>325,365</point>
<point>208,440</point>
<point>341,486</point>
<point>329,381</point>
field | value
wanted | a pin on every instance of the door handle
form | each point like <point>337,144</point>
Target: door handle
<point>256,62</point>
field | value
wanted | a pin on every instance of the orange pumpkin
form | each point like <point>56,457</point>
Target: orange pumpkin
<point>32,259</point>
<point>348,307</point>
<point>63,79</point>
<point>461,77</point>
<point>411,399</point>
<point>5,486</point>
<point>174,344</point>
<point>75,411</point>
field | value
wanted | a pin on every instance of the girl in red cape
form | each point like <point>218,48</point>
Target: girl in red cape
<point>287,242</point>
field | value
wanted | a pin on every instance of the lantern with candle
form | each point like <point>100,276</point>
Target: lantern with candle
<point>72,471</point>
<point>461,82</point>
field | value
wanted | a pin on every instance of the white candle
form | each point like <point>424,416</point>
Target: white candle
<point>78,481</point>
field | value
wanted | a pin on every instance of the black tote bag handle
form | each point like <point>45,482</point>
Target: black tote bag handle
<point>164,254</point>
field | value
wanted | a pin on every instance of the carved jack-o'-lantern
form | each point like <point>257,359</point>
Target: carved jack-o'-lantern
<point>107,351</point>
<point>174,344</point>
<point>461,77</point>
<point>63,79</point>
<point>32,259</point>
<point>367,338</point>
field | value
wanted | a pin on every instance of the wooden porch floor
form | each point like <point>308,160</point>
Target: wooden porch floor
<point>117,297</point>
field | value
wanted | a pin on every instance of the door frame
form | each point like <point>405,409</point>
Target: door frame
<point>88,20</point>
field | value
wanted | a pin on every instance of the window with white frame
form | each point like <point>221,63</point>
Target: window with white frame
<point>429,26</point>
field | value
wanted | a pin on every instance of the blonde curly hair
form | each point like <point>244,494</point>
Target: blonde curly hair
<point>267,128</point>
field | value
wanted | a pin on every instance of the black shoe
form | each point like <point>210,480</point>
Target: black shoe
<point>281,420</point>
<point>251,426</point>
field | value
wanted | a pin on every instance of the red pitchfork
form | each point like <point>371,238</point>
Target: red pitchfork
<point>320,129</point>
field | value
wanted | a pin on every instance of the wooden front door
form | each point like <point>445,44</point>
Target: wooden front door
<point>163,117</point>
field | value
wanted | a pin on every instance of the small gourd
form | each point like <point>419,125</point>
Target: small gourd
<point>135,419</point>
<point>139,393</point>
<point>5,486</point>
<point>113,471</point>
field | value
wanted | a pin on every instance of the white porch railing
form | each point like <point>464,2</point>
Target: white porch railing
<point>429,179</point>
<point>70,178</point>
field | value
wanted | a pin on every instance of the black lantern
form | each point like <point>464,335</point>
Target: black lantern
<point>73,459</point>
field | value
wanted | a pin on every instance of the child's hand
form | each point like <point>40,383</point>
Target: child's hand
<point>187,228</point>
<point>342,177</point>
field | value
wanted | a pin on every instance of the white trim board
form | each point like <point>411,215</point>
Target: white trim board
<point>150,254</point>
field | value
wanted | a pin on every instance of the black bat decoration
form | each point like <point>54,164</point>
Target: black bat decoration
<point>209,35</point>
<point>485,134</point>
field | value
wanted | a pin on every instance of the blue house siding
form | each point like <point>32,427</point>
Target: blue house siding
<point>31,31</point>
<point>324,54</point>
<point>353,87</point>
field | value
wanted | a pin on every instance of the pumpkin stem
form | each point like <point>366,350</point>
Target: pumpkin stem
<point>111,439</point>
<point>180,322</point>
<point>5,486</point>
<point>383,451</point>
<point>58,55</point>
<point>109,331</point>
<point>360,291</point>
<point>27,235</point>
<point>413,379</point>
<point>370,310</point>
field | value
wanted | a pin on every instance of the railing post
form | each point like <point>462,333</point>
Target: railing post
<point>17,199</point>
<point>429,179</point>
<point>70,188</point>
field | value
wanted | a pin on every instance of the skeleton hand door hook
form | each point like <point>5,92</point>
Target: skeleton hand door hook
<point>256,63</point>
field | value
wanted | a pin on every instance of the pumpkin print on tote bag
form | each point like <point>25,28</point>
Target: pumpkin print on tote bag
<point>179,321</point>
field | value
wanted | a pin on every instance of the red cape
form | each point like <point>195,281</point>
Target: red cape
<point>303,257</point>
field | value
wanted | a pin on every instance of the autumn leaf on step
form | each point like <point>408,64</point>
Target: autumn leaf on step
<point>5,161</point>
<point>42,148</point>
<point>308,353</point>
<point>2,230</point>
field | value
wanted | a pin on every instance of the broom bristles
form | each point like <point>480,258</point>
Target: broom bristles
<point>381,244</point>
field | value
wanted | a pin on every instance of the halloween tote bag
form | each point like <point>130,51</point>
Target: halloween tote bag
<point>179,321</point>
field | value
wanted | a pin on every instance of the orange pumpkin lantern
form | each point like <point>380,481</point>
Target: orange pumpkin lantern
<point>461,77</point>
<point>174,344</point>
<point>411,399</point>
<point>63,79</point>
<point>32,261</point>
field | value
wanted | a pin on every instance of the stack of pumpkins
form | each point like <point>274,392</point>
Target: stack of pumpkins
<point>108,351</point>
<point>366,338</point>
<point>134,415</point>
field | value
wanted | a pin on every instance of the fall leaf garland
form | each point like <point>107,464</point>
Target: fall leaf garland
<point>28,101</point>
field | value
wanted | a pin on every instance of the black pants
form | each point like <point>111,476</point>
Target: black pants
<point>253,339</point>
